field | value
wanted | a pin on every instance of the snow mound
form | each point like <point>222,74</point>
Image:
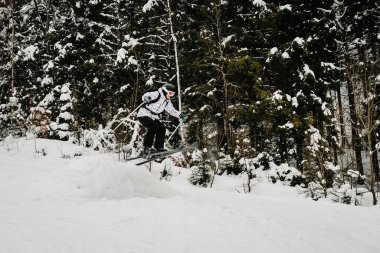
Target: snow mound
<point>100,177</point>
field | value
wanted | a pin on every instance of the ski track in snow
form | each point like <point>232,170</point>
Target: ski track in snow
<point>95,204</point>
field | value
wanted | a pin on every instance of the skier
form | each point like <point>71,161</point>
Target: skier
<point>155,103</point>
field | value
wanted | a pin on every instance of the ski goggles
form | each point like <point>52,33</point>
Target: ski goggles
<point>169,92</point>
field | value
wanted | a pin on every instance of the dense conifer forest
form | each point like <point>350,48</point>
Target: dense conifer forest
<point>289,81</point>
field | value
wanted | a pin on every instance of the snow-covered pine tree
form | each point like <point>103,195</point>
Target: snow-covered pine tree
<point>65,118</point>
<point>300,73</point>
<point>219,61</point>
<point>201,169</point>
<point>158,60</point>
<point>12,111</point>
<point>127,70</point>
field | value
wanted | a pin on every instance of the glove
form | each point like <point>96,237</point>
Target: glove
<point>183,116</point>
<point>147,99</point>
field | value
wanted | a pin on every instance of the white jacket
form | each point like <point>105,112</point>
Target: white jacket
<point>154,109</point>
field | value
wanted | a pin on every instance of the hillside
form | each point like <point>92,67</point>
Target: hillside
<point>90,202</point>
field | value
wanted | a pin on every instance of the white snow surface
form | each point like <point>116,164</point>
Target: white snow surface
<point>94,203</point>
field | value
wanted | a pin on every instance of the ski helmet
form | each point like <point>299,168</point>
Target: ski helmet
<point>168,88</point>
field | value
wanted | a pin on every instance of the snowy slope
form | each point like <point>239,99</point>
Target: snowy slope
<point>93,203</point>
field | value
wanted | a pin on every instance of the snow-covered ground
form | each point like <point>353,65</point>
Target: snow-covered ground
<point>90,202</point>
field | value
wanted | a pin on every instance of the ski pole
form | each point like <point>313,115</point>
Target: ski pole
<point>175,130</point>
<point>138,107</point>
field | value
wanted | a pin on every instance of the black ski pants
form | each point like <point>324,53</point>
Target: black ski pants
<point>154,129</point>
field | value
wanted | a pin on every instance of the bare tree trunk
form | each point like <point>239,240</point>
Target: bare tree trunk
<point>226,125</point>
<point>344,141</point>
<point>366,112</point>
<point>372,163</point>
<point>300,154</point>
<point>199,133</point>
<point>214,155</point>
<point>13,38</point>
<point>47,24</point>
<point>375,159</point>
<point>356,140</point>
<point>177,66</point>
<point>136,87</point>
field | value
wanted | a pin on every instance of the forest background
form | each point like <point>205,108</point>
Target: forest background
<point>285,81</point>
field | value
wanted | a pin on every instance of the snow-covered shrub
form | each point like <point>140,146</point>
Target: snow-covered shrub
<point>347,194</point>
<point>298,180</point>
<point>10,143</point>
<point>233,168</point>
<point>200,175</point>
<point>101,139</point>
<point>229,166</point>
<point>39,120</point>
<point>166,173</point>
<point>349,190</point>
<point>127,133</point>
<point>200,168</point>
<point>315,191</point>
<point>263,161</point>
<point>285,173</point>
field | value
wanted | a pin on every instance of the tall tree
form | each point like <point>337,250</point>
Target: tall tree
<point>300,72</point>
<point>360,28</point>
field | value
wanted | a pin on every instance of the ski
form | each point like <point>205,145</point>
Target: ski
<point>147,156</point>
<point>162,155</point>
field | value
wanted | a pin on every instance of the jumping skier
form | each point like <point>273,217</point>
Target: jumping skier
<point>155,103</point>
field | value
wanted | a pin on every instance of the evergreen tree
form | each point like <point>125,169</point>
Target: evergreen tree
<point>220,64</point>
<point>12,108</point>
<point>300,74</point>
<point>65,118</point>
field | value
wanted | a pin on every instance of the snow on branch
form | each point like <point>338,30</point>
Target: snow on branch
<point>306,71</point>
<point>259,3</point>
<point>121,55</point>
<point>227,40</point>
<point>285,7</point>
<point>29,52</point>
<point>149,5</point>
<point>299,41</point>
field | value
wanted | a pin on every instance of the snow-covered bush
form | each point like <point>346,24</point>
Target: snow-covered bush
<point>101,139</point>
<point>315,191</point>
<point>200,175</point>
<point>39,120</point>
<point>262,161</point>
<point>348,189</point>
<point>10,143</point>
<point>346,194</point>
<point>166,173</point>
<point>127,133</point>
<point>201,168</point>
<point>229,166</point>
<point>232,168</point>
<point>285,173</point>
